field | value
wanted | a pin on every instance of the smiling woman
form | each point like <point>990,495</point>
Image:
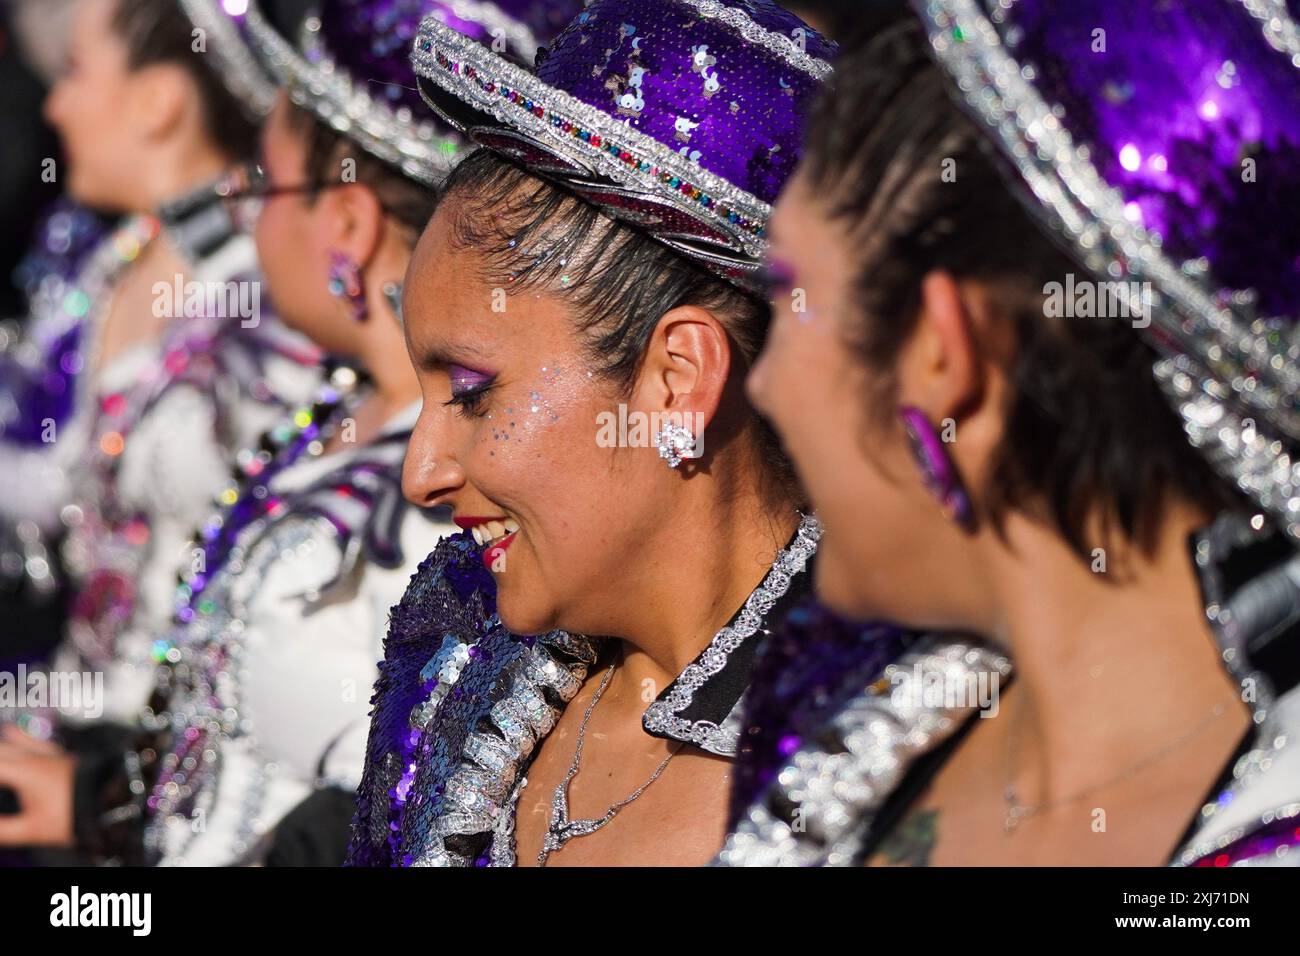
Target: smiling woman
<point>250,744</point>
<point>557,282</point>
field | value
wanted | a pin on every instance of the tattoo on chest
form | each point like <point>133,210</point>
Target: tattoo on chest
<point>912,841</point>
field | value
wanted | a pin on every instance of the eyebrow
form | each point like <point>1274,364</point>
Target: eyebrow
<point>440,354</point>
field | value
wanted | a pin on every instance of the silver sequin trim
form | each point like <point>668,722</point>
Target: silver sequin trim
<point>465,52</point>
<point>495,21</point>
<point>822,802</point>
<point>661,717</point>
<point>783,46</point>
<point>239,70</point>
<point>1215,339</point>
<point>1279,29</point>
<point>474,799</point>
<point>418,148</point>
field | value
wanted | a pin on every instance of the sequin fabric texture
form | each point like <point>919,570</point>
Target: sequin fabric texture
<point>350,67</point>
<point>683,117</point>
<point>428,700</point>
<point>1158,140</point>
<point>1227,103</point>
<point>806,672</point>
<point>37,381</point>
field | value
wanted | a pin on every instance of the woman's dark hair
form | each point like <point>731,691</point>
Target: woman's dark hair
<point>157,31</point>
<point>408,202</point>
<point>1088,433</point>
<point>841,20</point>
<point>618,280</point>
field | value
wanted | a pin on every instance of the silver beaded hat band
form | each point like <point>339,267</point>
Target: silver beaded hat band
<point>365,111</point>
<point>232,60</point>
<point>1131,123</point>
<point>683,117</point>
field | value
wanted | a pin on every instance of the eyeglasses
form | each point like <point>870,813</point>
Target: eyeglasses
<point>251,182</point>
<point>247,188</point>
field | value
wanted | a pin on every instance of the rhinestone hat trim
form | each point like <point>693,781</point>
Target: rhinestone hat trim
<point>841,777</point>
<point>415,147</point>
<point>778,43</point>
<point>491,17</point>
<point>593,140</point>
<point>662,716</point>
<point>235,63</point>
<point>1219,356</point>
<point>1280,31</point>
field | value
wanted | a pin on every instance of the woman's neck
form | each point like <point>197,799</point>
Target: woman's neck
<point>694,575</point>
<point>174,176</point>
<point>1113,662</point>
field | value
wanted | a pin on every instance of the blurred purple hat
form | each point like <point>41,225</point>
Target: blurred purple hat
<point>225,40</point>
<point>1161,142</point>
<point>684,117</point>
<point>351,68</point>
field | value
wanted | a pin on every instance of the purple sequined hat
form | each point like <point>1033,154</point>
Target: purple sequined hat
<point>225,40</point>
<point>1161,142</point>
<point>681,116</point>
<point>351,68</point>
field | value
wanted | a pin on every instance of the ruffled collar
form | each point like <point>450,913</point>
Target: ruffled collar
<point>702,704</point>
<point>1250,584</point>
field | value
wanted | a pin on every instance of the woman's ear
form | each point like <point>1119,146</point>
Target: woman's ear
<point>952,370</point>
<point>159,98</point>
<point>687,363</point>
<point>355,221</point>
<point>939,369</point>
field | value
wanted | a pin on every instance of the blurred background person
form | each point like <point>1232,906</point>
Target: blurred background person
<point>256,725</point>
<point>1044,391</point>
<point>145,368</point>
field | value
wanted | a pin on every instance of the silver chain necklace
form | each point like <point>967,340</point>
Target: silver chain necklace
<point>561,829</point>
<point>1018,812</point>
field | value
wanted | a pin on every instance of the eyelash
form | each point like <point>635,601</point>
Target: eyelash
<point>469,403</point>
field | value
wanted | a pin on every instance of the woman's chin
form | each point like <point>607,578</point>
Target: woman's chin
<point>518,614</point>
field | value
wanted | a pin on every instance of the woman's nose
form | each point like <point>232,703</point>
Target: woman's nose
<point>430,474</point>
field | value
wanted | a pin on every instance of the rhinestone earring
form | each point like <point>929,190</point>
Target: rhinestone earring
<point>345,284</point>
<point>936,467</point>
<point>675,442</point>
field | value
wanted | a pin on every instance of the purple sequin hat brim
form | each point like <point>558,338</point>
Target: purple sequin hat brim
<point>628,173</point>
<point>1121,160</point>
<point>420,148</point>
<point>231,56</point>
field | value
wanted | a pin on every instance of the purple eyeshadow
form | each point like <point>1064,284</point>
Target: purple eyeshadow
<point>466,379</point>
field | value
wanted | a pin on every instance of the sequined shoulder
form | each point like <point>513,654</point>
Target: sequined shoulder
<point>459,704</point>
<point>819,804</point>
